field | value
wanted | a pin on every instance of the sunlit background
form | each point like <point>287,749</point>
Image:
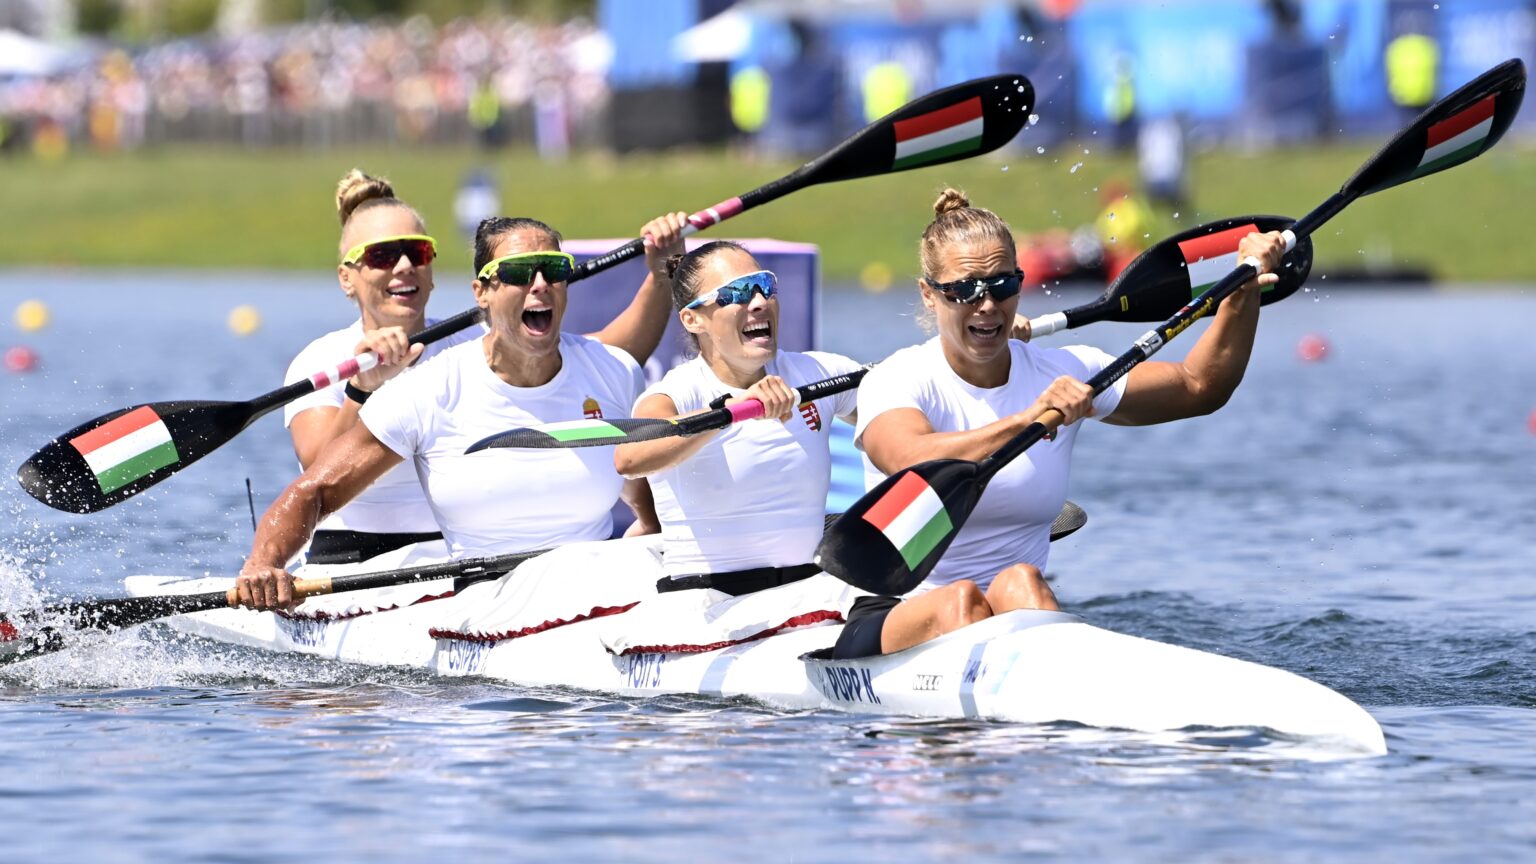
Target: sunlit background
<point>1358,514</point>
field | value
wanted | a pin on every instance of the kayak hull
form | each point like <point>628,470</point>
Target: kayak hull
<point>1023,666</point>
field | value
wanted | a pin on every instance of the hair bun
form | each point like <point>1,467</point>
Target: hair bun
<point>674,262</point>
<point>949,201</point>
<point>356,188</point>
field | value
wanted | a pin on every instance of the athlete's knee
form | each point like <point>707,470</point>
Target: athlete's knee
<point>1021,587</point>
<point>964,604</point>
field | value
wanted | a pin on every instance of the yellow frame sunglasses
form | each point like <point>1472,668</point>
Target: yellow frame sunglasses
<point>374,252</point>
<point>519,268</point>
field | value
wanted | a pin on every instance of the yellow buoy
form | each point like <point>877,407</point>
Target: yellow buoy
<point>32,315</point>
<point>244,320</point>
<point>875,277</point>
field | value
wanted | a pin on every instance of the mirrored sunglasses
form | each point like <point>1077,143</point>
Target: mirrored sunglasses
<point>970,291</point>
<point>521,268</point>
<point>384,253</point>
<point>739,290</point>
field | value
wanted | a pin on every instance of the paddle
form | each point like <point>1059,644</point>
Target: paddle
<point>45,630</point>
<point>135,448</point>
<point>890,540</point>
<point>1159,281</point>
<point>1152,287</point>
<point>570,434</point>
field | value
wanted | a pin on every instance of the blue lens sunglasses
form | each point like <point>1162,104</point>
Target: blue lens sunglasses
<point>739,290</point>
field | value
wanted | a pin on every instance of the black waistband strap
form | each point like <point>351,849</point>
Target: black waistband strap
<point>739,582</point>
<point>350,547</point>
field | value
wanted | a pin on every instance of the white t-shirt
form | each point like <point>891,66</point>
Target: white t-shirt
<point>394,504</point>
<point>755,495</point>
<point>501,501</point>
<point>1012,522</point>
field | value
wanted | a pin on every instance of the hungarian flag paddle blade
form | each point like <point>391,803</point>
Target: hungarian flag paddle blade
<point>1166,277</point>
<point>1457,128</point>
<point>113,457</point>
<point>954,123</point>
<point>901,526</point>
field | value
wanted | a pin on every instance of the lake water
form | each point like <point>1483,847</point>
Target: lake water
<point>1364,521</point>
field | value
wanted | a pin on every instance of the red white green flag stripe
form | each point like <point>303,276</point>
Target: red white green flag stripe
<point>1213,256</point>
<point>912,517</point>
<point>1457,138</point>
<point>129,447</point>
<point>939,134</point>
<point>582,430</point>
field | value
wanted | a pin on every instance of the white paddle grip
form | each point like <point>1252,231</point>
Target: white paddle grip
<point>1045,325</point>
<point>366,360</point>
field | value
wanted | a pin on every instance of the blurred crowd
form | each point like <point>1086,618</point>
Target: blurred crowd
<point>320,84</point>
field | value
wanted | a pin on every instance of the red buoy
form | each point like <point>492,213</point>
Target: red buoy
<point>20,358</point>
<point>1312,348</point>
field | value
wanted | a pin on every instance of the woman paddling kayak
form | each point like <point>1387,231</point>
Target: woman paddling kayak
<point>969,389</point>
<point>523,371</point>
<point>386,268</point>
<point>741,509</point>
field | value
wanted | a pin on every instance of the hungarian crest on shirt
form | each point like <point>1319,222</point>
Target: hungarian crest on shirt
<point>591,410</point>
<point>811,415</point>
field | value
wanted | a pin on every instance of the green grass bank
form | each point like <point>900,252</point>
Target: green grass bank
<point>226,208</point>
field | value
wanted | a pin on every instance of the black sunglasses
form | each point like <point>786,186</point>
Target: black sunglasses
<point>970,291</point>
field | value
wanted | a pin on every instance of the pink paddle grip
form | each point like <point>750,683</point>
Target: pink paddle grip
<point>751,409</point>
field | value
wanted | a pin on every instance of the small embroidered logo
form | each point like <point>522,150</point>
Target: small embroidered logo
<point>811,415</point>
<point>591,410</point>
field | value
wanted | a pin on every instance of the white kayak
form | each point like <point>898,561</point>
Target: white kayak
<point>1024,666</point>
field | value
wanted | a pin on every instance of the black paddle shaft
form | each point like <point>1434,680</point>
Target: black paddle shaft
<point>60,476</point>
<point>1497,92</point>
<point>1458,128</point>
<point>1005,103</point>
<point>722,417</point>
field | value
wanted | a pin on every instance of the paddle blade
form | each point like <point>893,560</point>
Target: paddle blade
<point>1164,278</point>
<point>1068,521</point>
<point>578,433</point>
<point>42,631</point>
<point>1454,130</point>
<point>955,123</point>
<point>890,540</point>
<point>118,455</point>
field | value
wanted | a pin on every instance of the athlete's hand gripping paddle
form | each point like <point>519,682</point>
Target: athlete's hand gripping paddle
<point>601,433</point>
<point>890,540</point>
<point>107,460</point>
<point>1162,279</point>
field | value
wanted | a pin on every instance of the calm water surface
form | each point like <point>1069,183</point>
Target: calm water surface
<point>1363,521</point>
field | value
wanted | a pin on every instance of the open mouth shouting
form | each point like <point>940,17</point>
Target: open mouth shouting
<point>539,319</point>
<point>759,333</point>
<point>983,331</point>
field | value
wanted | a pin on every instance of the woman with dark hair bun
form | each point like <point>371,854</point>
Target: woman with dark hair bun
<point>965,392</point>
<point>520,371</point>
<point>741,509</point>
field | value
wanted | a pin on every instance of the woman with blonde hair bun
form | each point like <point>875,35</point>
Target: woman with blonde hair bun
<point>385,267</point>
<point>970,388</point>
